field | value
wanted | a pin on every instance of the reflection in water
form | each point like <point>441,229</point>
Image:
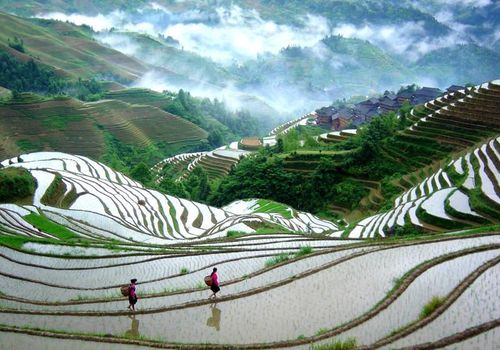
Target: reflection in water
<point>214,320</point>
<point>133,332</point>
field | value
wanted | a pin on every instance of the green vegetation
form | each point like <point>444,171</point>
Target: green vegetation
<point>267,206</point>
<point>304,251</point>
<point>30,76</point>
<point>235,234</point>
<point>26,145</point>
<point>42,223</point>
<point>195,186</point>
<point>213,116</point>
<point>15,184</point>
<point>184,270</point>
<point>322,331</point>
<point>277,259</point>
<point>17,44</point>
<point>301,137</point>
<point>18,76</point>
<point>347,344</point>
<point>449,61</point>
<point>16,242</point>
<point>316,176</point>
<point>407,230</point>
<point>434,220</point>
<point>481,204</point>
<point>431,306</point>
<point>53,193</point>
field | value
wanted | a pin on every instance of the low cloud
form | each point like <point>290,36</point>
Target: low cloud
<point>288,101</point>
<point>97,23</point>
<point>242,35</point>
<point>119,42</point>
<point>227,36</point>
<point>408,40</point>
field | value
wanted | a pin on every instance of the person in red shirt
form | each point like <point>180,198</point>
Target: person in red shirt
<point>215,283</point>
<point>132,296</point>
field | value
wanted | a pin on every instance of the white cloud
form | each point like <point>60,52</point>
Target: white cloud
<point>119,42</point>
<point>409,39</point>
<point>232,35</point>
<point>240,35</point>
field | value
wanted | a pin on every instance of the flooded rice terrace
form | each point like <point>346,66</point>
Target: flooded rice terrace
<point>306,306</point>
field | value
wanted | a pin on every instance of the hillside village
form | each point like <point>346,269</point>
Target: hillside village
<point>339,118</point>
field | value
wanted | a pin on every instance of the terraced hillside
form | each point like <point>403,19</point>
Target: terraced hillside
<point>68,48</point>
<point>219,162</point>
<point>337,136</point>
<point>96,202</point>
<point>137,96</point>
<point>69,125</point>
<point>88,229</point>
<point>445,128</point>
<point>464,194</point>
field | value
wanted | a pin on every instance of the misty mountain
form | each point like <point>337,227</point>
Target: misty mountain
<point>288,56</point>
<point>472,63</point>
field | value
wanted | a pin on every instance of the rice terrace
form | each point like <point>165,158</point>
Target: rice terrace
<point>317,175</point>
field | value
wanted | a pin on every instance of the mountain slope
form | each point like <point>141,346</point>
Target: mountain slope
<point>69,125</point>
<point>67,47</point>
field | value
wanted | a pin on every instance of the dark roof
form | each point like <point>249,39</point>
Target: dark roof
<point>364,109</point>
<point>357,120</point>
<point>427,91</point>
<point>387,99</point>
<point>325,111</point>
<point>405,94</point>
<point>344,113</point>
<point>454,88</point>
<point>390,104</point>
<point>373,102</point>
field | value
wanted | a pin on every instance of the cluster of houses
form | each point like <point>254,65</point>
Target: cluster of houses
<point>338,118</point>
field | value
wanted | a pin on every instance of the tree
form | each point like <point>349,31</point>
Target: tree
<point>172,187</point>
<point>197,184</point>
<point>141,173</point>
<point>279,145</point>
<point>215,138</point>
<point>17,44</point>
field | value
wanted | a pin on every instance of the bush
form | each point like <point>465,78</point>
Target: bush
<point>15,183</point>
<point>348,193</point>
<point>17,44</point>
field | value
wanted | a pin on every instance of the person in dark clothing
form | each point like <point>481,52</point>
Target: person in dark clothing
<point>132,296</point>
<point>215,283</point>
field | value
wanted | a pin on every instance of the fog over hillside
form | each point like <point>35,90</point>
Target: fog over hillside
<point>232,52</point>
